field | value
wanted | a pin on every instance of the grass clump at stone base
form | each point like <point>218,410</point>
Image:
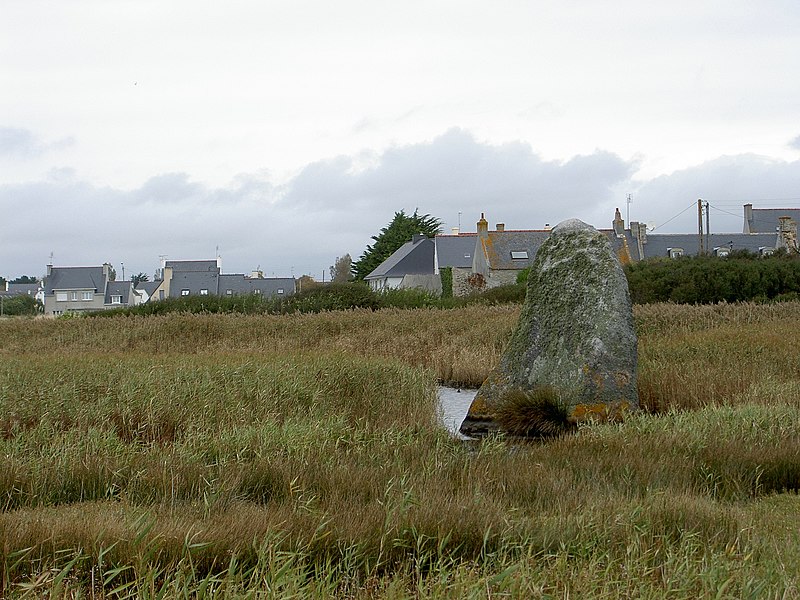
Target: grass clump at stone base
<point>533,414</point>
<point>234,456</point>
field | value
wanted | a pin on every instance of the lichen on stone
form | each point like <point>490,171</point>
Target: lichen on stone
<point>575,333</point>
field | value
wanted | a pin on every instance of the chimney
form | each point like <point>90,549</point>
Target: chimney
<point>106,270</point>
<point>455,231</point>
<point>418,237</point>
<point>483,227</point>
<point>618,224</point>
<point>787,233</point>
<point>500,227</point>
<point>257,274</point>
<point>748,218</point>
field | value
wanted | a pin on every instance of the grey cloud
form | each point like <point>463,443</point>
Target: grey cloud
<point>21,143</point>
<point>333,207</point>
<point>455,172</point>
<point>727,183</point>
<point>795,143</point>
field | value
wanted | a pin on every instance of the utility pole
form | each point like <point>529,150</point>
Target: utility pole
<point>708,228</point>
<point>628,201</point>
<point>701,249</point>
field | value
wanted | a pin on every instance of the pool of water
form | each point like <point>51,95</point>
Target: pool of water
<point>453,406</point>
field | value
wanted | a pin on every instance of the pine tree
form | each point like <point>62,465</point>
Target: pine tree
<point>391,237</point>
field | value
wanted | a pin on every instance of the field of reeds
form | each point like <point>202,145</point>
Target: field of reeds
<point>244,456</point>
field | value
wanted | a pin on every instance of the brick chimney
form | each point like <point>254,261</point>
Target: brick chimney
<point>500,227</point>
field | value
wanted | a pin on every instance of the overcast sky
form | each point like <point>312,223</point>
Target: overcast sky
<point>285,133</point>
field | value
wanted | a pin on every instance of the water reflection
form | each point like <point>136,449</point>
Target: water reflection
<point>453,406</point>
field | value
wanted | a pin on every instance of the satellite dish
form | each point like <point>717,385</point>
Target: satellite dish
<point>651,226</point>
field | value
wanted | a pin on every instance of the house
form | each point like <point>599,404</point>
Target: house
<point>35,290</point>
<point>501,254</point>
<point>641,244</point>
<point>82,289</point>
<point>182,278</point>
<point>411,265</point>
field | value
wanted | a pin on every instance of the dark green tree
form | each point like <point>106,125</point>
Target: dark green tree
<point>391,237</point>
<point>25,279</point>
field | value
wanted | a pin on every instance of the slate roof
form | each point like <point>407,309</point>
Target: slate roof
<point>74,278</point>
<point>192,265</point>
<point>118,288</point>
<point>499,245</point>
<point>657,243</point>
<point>455,250</point>
<point>765,220</point>
<point>194,281</point>
<point>22,289</point>
<point>148,286</point>
<point>267,286</point>
<point>412,258</point>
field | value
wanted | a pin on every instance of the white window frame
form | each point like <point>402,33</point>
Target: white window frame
<point>204,292</point>
<point>519,255</point>
<point>184,292</point>
<point>229,292</point>
<point>116,299</point>
<point>73,296</point>
<point>280,290</point>
<point>61,296</point>
<point>87,296</point>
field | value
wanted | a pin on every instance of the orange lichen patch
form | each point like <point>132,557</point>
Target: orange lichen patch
<point>602,412</point>
<point>478,408</point>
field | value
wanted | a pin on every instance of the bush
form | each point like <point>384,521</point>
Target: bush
<point>707,279</point>
<point>16,306</point>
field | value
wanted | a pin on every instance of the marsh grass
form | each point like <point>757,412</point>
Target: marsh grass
<point>236,456</point>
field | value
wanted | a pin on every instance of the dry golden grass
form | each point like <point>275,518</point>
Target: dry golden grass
<point>229,455</point>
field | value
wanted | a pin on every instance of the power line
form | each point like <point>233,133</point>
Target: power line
<point>692,205</point>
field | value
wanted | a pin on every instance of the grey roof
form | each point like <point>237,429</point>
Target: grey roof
<point>499,245</point>
<point>765,220</point>
<point>74,278</point>
<point>268,286</point>
<point>412,258</point>
<point>658,243</point>
<point>194,281</point>
<point>148,286</point>
<point>455,250</point>
<point>192,265</point>
<point>119,288</point>
<point>23,289</point>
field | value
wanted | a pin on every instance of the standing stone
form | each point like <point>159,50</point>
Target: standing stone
<point>575,341</point>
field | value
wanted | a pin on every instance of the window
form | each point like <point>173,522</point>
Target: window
<point>73,296</point>
<point>257,292</point>
<point>229,292</point>
<point>280,290</point>
<point>675,252</point>
<point>204,292</point>
<point>184,292</point>
<point>61,296</point>
<point>87,295</point>
<point>467,255</point>
<point>116,299</point>
<point>519,254</point>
